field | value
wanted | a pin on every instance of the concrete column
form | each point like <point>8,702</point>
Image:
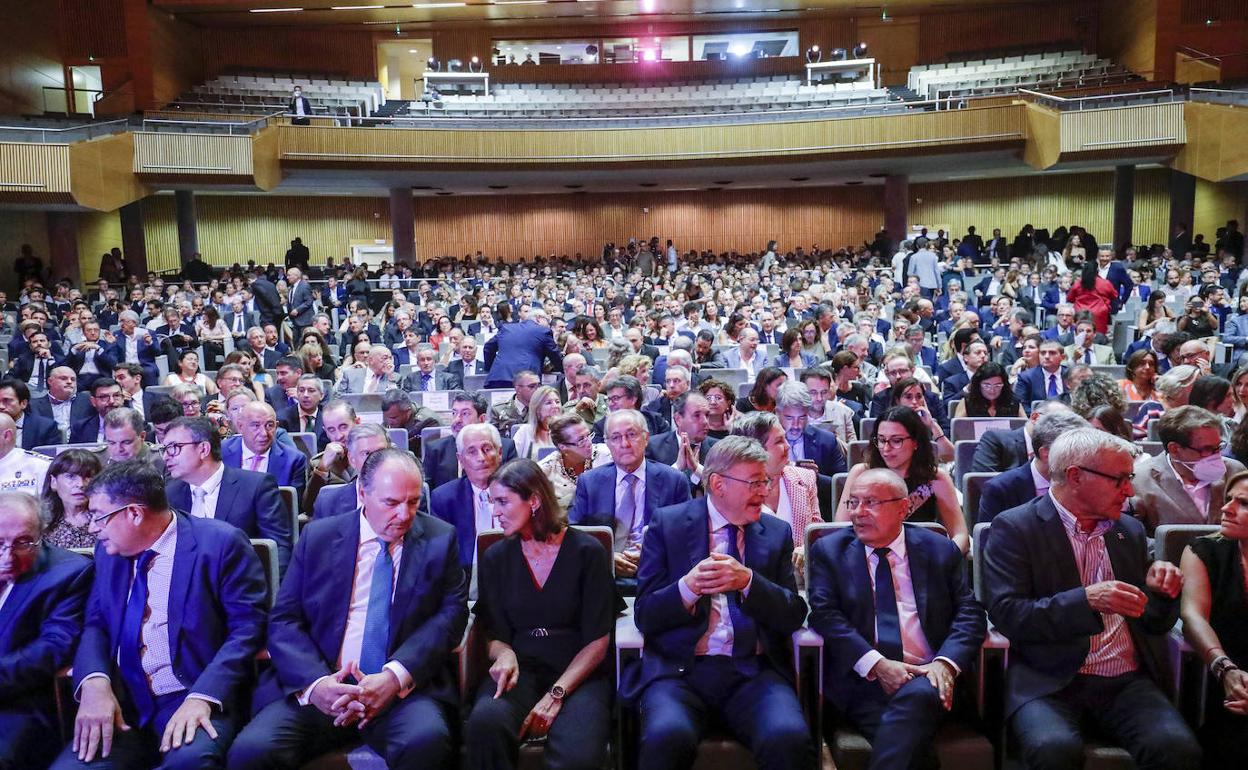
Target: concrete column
<point>1124,205</point>
<point>63,247</point>
<point>896,206</point>
<point>403,225</point>
<point>133,242</point>
<point>188,232</point>
<point>1182,202</point>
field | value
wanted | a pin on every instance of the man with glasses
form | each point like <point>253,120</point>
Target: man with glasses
<point>718,603</point>
<point>1186,483</point>
<point>207,488</point>
<point>890,667</point>
<point>625,392</point>
<point>441,462</point>
<point>625,493</point>
<point>583,393</point>
<point>684,447</point>
<point>43,592</point>
<point>1070,584</point>
<point>361,441</point>
<point>106,396</point>
<point>1196,353</point>
<point>255,448</point>
<point>806,442</point>
<point>174,622</point>
<point>20,470</point>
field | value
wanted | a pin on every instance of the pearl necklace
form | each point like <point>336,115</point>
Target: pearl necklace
<point>574,476</point>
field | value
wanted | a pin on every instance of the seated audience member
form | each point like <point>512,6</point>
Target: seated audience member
<point>826,413</point>
<point>43,592</point>
<point>911,393</point>
<point>625,392</point>
<point>427,376</point>
<point>762,397</point>
<point>330,466</point>
<point>1214,615</point>
<point>1019,486</point>
<point>1084,349</point>
<point>33,430</point>
<point>1196,353</point>
<point>20,470</point>
<point>379,669</point>
<point>575,455</point>
<point>720,402</point>
<point>465,502</point>
<point>465,363</point>
<point>63,502</point>
<point>188,373</point>
<point>133,345</point>
<point>105,396</point>
<point>163,412</point>
<point>625,493</point>
<point>89,357</point>
<point>549,685</point>
<point>584,397</point>
<point>377,376</point>
<point>974,356</point>
<point>903,444</point>
<point>255,448</point>
<point>362,440</point>
<point>515,410</point>
<point>1071,586</point>
<point>130,378</point>
<point>898,366</point>
<point>684,447</point>
<point>806,442</point>
<point>693,598</point>
<point>676,380</point>
<point>284,394</point>
<point>534,433</point>
<point>1046,381</point>
<point>190,397</point>
<point>441,455</point>
<point>791,355</point>
<point>894,688</point>
<point>203,486</point>
<point>1213,394</point>
<point>306,416</point>
<point>62,402</point>
<point>793,492</point>
<point>125,439</point>
<point>1186,483</point>
<point>1000,450</point>
<point>399,411</point>
<point>1107,418</point>
<point>159,572</point>
<point>36,362</point>
<point>1173,389</point>
<point>989,395</point>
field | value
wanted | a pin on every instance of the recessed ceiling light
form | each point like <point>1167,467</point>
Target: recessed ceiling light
<point>355,7</point>
<point>273,10</point>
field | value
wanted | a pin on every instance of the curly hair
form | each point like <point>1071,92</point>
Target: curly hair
<point>1095,390</point>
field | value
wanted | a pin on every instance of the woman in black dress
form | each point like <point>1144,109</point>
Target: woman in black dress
<point>546,606</point>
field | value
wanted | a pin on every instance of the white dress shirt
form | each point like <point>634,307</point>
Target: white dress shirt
<point>719,634</point>
<point>263,467</point>
<point>784,506</point>
<point>132,348</point>
<point>207,505</point>
<point>4,594</point>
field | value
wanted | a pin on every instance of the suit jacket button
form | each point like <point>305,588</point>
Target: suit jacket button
<point>680,670</point>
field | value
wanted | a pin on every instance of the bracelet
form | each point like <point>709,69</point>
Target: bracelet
<point>938,438</point>
<point>1221,665</point>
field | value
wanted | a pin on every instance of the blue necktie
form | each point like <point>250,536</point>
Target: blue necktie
<point>1052,392</point>
<point>130,643</point>
<point>424,381</point>
<point>744,633</point>
<point>377,621</point>
<point>887,622</point>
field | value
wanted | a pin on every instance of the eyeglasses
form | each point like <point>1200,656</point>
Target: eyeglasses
<point>103,518</point>
<point>1118,480</point>
<point>21,547</point>
<point>582,441</point>
<point>174,448</point>
<point>618,438</point>
<point>1206,451</point>
<point>894,442</point>
<point>758,485</point>
<point>869,503</point>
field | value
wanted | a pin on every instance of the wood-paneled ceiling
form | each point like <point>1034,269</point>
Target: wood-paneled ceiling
<point>382,13</point>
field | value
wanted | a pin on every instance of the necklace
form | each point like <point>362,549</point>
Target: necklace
<point>574,476</point>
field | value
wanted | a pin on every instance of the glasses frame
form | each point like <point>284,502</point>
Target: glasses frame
<point>852,503</point>
<point>21,547</point>
<point>1118,480</point>
<point>103,518</point>
<point>755,486</point>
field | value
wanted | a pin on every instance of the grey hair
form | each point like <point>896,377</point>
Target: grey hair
<point>1176,379</point>
<point>422,347</point>
<point>128,315</point>
<point>680,358</point>
<point>124,416</point>
<point>339,404</point>
<point>730,451</point>
<point>365,430</point>
<point>184,389</point>
<point>380,457</point>
<point>680,371</point>
<point>632,415</point>
<point>478,427</point>
<point>312,378</point>
<point>1083,446</point>
<point>755,425</point>
<point>681,342</point>
<point>793,394</point>
<point>27,503</point>
<point>1050,426</point>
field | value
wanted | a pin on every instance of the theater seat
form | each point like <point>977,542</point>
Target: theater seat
<point>1098,756</point>
<point>719,752</point>
<point>359,758</point>
<point>956,745</point>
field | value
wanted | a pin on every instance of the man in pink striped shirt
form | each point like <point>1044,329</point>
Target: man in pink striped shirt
<point>1070,583</point>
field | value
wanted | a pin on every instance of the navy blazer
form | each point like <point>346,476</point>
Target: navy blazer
<point>441,464</point>
<point>85,430</point>
<point>949,368</point>
<point>676,540</point>
<point>217,602</point>
<point>953,387</point>
<point>249,501</point>
<point>287,465</point>
<point>518,347</point>
<point>842,603</point>
<point>1036,599</point>
<point>41,431</point>
<point>1033,385</point>
<point>824,449</point>
<point>333,501</point>
<point>593,503</point>
<point>146,353</point>
<point>40,624</point>
<point>23,367</point>
<point>664,447</point>
<point>309,618</point>
<point>1011,489</point>
<point>935,407</point>
<point>1000,450</point>
<point>104,362</point>
<point>452,503</point>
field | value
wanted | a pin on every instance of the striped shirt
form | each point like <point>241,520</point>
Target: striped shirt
<point>1111,652</point>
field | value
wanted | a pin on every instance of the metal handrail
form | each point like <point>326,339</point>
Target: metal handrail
<point>61,135</point>
<point>247,126</point>
<point>1079,101</point>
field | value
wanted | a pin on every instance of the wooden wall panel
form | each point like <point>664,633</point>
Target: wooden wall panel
<point>207,154</point>
<point>38,168</point>
<point>1123,127</point>
<point>17,228</point>
<point>348,53</point>
<point>1216,203</point>
<point>1127,33</point>
<point>92,28</point>
<point>97,234</point>
<point>30,57</point>
<point>952,35</point>
<point>1198,11</point>
<point>176,56</point>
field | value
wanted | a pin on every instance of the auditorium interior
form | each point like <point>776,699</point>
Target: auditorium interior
<point>336,243</point>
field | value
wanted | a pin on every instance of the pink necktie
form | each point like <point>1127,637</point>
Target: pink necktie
<point>255,462</point>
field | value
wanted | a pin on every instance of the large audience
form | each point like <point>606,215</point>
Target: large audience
<point>244,513</point>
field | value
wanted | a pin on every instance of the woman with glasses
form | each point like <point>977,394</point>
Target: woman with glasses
<point>720,400</point>
<point>909,392</point>
<point>189,397</point>
<point>903,444</point>
<point>64,499</point>
<point>1173,389</point>
<point>534,433</point>
<point>576,454</point>
<point>1215,623</point>
<point>989,395</point>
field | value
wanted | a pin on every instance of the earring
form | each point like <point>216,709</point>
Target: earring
<point>533,513</point>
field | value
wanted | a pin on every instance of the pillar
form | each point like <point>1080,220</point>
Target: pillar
<point>188,232</point>
<point>403,225</point>
<point>63,247</point>
<point>133,241</point>
<point>896,206</point>
<point>1124,205</point>
<point>1182,202</point>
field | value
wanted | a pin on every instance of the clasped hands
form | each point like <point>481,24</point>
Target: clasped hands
<point>893,675</point>
<point>354,704</point>
<point>1114,597</point>
<point>718,574</point>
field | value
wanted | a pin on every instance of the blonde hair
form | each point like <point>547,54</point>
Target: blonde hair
<point>535,402</point>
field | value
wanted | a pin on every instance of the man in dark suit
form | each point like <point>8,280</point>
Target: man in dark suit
<point>441,461</point>
<point>426,376</point>
<point>518,347</point>
<point>255,449</point>
<point>238,321</point>
<point>465,364</point>
<point>268,303</point>
<point>361,441</point>
<point>1113,271</point>
<point>637,342</point>
<point>806,442</point>
<point>45,592</point>
<point>625,392</point>
<point>465,502</point>
<point>299,108</point>
<point>175,335</point>
<point>896,368</point>
<point>714,570</point>
<point>205,487</point>
<point>369,658</point>
<point>675,382</point>
<point>136,346</point>
<point>90,358</point>
<point>898,618</point>
<point>62,402</point>
<point>36,430</point>
<point>35,363</point>
<point>684,447</point>
<point>1022,484</point>
<point>173,625</point>
<point>306,414</point>
<point>1070,584</point>
<point>106,396</point>
<point>1044,381</point>
<point>302,301</point>
<point>625,493</point>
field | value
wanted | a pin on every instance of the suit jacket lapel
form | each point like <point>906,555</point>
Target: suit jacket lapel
<point>180,582</point>
<point>863,587</point>
<point>342,556</point>
<point>697,537</point>
<point>17,598</point>
<point>1057,543</point>
<point>1169,485</point>
<point>227,493</point>
<point>919,567</point>
<point>411,576</point>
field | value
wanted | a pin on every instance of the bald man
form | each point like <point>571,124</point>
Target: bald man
<point>43,592</point>
<point>302,309</point>
<point>255,448</point>
<point>20,470</point>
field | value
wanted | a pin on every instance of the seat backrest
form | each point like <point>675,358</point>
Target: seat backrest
<point>858,451</point>
<point>971,428</point>
<point>1171,539</point>
<point>979,539</point>
<point>266,549</point>
<point>972,488</point>
<point>398,437</point>
<point>866,428</point>
<point>290,499</point>
<point>306,443</point>
<point>1151,448</point>
<point>963,455</point>
<point>838,488</point>
<point>605,537</point>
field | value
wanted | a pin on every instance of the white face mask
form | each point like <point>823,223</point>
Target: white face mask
<point>1207,469</point>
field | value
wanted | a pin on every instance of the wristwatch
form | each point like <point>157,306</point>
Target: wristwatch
<point>1220,666</point>
<point>557,692</point>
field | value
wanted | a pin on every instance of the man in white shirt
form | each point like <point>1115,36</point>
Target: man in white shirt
<point>20,471</point>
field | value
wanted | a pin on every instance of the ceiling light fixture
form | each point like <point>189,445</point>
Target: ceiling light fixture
<point>273,10</point>
<point>438,5</point>
<point>355,7</point>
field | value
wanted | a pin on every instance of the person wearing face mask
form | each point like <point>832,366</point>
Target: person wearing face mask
<point>299,108</point>
<point>1186,483</point>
